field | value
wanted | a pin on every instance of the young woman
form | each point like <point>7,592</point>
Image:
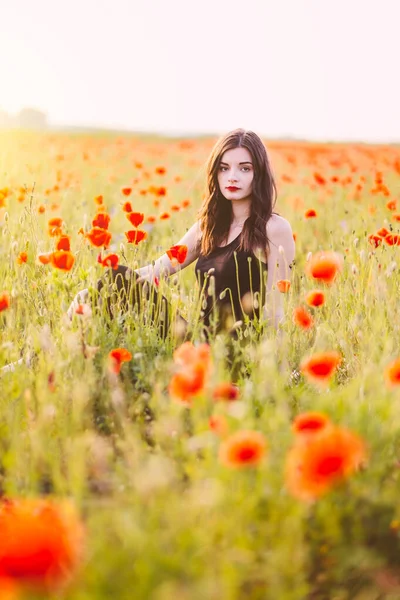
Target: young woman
<point>241,246</point>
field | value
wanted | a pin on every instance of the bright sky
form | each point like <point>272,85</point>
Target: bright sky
<point>317,69</point>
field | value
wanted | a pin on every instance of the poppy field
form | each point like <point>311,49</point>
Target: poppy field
<point>138,467</point>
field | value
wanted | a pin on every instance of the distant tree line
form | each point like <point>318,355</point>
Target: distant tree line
<point>27,118</point>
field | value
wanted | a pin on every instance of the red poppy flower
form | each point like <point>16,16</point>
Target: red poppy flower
<point>315,298</point>
<point>63,260</point>
<point>99,237</point>
<point>134,236</point>
<point>126,191</point>
<point>111,260</point>
<point>135,218</point>
<point>383,232</point>
<point>164,216</point>
<point>161,170</point>
<point>310,213</point>
<point>99,199</point>
<point>161,191</point>
<point>55,226</point>
<point>302,318</point>
<point>243,449</point>
<point>225,391</point>
<point>318,462</point>
<point>392,239</point>
<point>310,422</point>
<point>127,207</point>
<point>41,542</point>
<point>375,240</point>
<point>283,285</point>
<point>178,252</point>
<point>4,301</point>
<point>117,357</point>
<point>63,243</point>
<point>188,382</point>
<point>22,258</point>
<point>320,367</point>
<point>392,373</point>
<point>391,205</point>
<point>102,220</point>
<point>219,425</point>
<point>324,266</point>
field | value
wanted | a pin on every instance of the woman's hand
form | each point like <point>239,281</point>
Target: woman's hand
<point>81,297</point>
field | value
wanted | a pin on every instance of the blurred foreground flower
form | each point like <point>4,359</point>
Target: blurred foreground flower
<point>320,367</point>
<point>41,543</point>
<point>117,357</point>
<point>309,423</point>
<point>283,285</point>
<point>194,365</point>
<point>317,462</point>
<point>178,252</point>
<point>4,301</point>
<point>324,266</point>
<point>392,373</point>
<point>244,448</point>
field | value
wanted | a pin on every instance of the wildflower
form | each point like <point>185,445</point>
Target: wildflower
<point>164,216</point>
<point>151,219</point>
<point>41,209</point>
<point>99,199</point>
<point>283,285</point>
<point>102,220</point>
<point>324,266</point>
<point>188,382</point>
<point>178,252</point>
<point>111,260</point>
<point>320,367</point>
<point>392,373</point>
<point>127,207</point>
<point>41,542</point>
<point>4,301</point>
<point>63,260</point>
<point>161,191</point>
<point>63,243</point>
<point>55,227</point>
<point>161,170</point>
<point>44,259</point>
<point>244,448</point>
<point>310,213</point>
<point>188,353</point>
<point>99,237</point>
<point>22,258</point>
<point>134,236</point>
<point>135,218</point>
<point>225,391</point>
<point>185,203</point>
<point>383,232</point>
<point>392,239</point>
<point>396,217</point>
<point>302,318</point>
<point>318,462</point>
<point>391,205</point>
<point>117,357</point>
<point>315,298</point>
<point>126,191</point>
<point>375,240</point>
<point>310,422</point>
<point>83,310</point>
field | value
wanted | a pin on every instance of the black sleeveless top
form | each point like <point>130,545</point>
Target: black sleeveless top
<point>234,289</point>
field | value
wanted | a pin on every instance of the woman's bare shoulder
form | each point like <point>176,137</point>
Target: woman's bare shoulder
<point>278,225</point>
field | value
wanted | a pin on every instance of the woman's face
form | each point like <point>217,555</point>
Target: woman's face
<point>236,169</point>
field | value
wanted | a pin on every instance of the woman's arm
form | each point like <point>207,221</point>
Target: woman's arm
<point>280,259</point>
<point>163,267</point>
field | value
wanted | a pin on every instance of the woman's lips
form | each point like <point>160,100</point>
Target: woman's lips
<point>232,189</point>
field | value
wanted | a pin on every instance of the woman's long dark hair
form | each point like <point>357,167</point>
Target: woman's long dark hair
<point>216,211</point>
